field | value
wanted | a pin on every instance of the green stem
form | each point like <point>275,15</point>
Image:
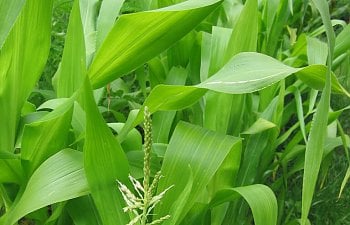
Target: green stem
<point>146,163</point>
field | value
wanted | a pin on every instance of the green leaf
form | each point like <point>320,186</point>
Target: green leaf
<point>342,42</point>
<point>104,162</point>
<point>314,147</point>
<point>19,72</point>
<point>162,121</point>
<point>83,212</point>
<point>109,11</point>
<point>260,198</point>
<point>345,180</point>
<point>259,126</point>
<point>245,33</point>
<point>137,38</point>
<point>133,140</point>
<point>244,73</point>
<point>45,137</point>
<point>201,150</point>
<point>58,179</point>
<point>71,73</point>
<point>89,12</point>
<point>11,170</point>
<point>9,11</point>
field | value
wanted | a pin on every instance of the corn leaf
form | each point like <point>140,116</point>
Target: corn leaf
<point>19,69</point>
<point>109,11</point>
<point>314,147</point>
<point>71,73</point>
<point>244,73</point>
<point>9,11</point>
<point>45,137</point>
<point>126,49</point>
<point>59,178</point>
<point>201,150</point>
<point>104,163</point>
<point>260,198</point>
<point>11,171</point>
<point>82,211</point>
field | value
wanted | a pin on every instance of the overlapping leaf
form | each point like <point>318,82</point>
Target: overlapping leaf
<point>104,163</point>
<point>202,151</point>
<point>22,59</point>
<point>152,32</point>
<point>59,178</point>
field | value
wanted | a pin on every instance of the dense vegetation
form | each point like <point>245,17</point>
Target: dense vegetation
<point>174,112</point>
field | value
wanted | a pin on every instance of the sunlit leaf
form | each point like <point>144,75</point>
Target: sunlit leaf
<point>59,178</point>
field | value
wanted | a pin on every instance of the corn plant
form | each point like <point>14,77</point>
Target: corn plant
<point>239,93</point>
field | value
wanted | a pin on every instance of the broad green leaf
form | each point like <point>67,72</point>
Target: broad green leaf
<point>104,163</point>
<point>137,38</point>
<point>71,73</point>
<point>219,43</point>
<point>45,137</point>
<point>244,73</point>
<point>247,72</point>
<point>314,147</point>
<point>225,44</point>
<point>176,209</point>
<point>317,51</point>
<point>217,120</point>
<point>59,178</point>
<point>9,11</point>
<point>109,11</point>
<point>260,198</point>
<point>201,150</point>
<point>20,70</point>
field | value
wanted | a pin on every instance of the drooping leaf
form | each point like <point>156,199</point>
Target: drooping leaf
<point>260,198</point>
<point>244,73</point>
<point>59,178</point>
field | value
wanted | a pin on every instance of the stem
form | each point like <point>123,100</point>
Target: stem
<point>146,163</point>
